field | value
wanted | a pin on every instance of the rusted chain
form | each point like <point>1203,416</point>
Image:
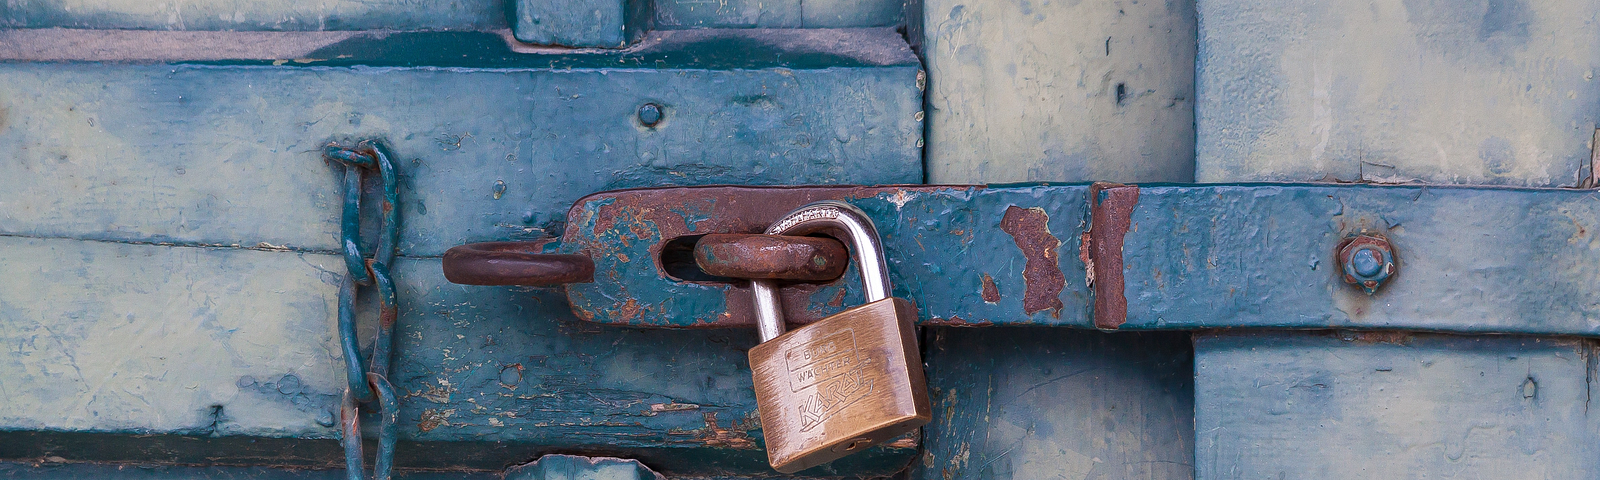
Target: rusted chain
<point>367,384</point>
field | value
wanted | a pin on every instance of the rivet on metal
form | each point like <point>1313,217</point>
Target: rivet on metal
<point>649,114</point>
<point>1367,261</point>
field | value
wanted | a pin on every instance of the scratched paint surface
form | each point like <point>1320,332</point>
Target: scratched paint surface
<point>1030,403</point>
<point>1480,92</point>
<point>255,15</point>
<point>1263,256</point>
<point>1392,405</point>
<point>1213,256</point>
<point>945,247</point>
<point>1064,91</point>
<point>209,154</point>
<point>106,337</point>
<point>124,170</point>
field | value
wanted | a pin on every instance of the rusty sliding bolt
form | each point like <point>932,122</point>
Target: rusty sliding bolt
<point>775,257</point>
<point>514,263</point>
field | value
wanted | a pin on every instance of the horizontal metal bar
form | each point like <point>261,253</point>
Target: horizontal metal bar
<point>1479,260</point>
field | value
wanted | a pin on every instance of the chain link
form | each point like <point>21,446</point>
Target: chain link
<point>367,384</point>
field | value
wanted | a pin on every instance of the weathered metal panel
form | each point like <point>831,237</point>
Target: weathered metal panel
<point>1470,259</point>
<point>108,337</point>
<point>1029,403</point>
<point>582,23</point>
<point>494,145</point>
<point>1393,405</point>
<point>1192,257</point>
<point>676,14</point>
<point>1480,92</point>
<point>229,155</point>
<point>74,471</point>
<point>1059,91</point>
<point>255,15</point>
<point>966,255</point>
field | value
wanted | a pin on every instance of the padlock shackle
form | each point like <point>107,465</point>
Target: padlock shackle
<point>859,233</point>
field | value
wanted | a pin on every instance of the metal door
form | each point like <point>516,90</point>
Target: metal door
<point>169,232</point>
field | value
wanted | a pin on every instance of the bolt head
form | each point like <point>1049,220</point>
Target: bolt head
<point>1367,261</point>
<point>650,114</point>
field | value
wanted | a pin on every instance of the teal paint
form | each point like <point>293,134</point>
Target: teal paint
<point>1485,92</point>
<point>1029,403</point>
<point>570,467</point>
<point>1065,91</point>
<point>582,23</point>
<point>1472,260</point>
<point>255,15</point>
<point>1393,405</point>
<point>230,155</point>
<point>72,471</point>
<point>940,241</point>
<point>684,14</point>
<point>179,214</point>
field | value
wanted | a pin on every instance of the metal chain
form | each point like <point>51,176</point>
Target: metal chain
<point>367,385</point>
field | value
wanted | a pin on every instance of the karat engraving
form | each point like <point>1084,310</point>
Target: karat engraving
<point>832,397</point>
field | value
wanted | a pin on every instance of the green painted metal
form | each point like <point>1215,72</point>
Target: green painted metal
<point>1393,405</point>
<point>171,237</point>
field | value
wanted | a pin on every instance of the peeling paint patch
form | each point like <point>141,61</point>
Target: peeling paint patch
<point>434,418</point>
<point>991,293</point>
<point>672,407</point>
<point>1111,210</point>
<point>1041,275</point>
<point>735,436</point>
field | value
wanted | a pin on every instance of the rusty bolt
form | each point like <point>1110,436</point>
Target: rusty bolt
<point>778,257</point>
<point>1367,261</point>
<point>649,114</point>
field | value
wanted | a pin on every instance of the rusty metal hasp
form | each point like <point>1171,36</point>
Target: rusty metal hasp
<point>1111,256</point>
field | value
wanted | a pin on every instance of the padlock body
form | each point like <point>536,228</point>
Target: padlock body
<point>840,385</point>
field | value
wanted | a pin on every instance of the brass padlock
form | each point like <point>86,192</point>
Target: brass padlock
<point>846,382</point>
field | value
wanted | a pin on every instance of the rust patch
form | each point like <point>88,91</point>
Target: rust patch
<point>735,436</point>
<point>1111,214</point>
<point>1375,337</point>
<point>908,441</point>
<point>708,210</point>
<point>1041,275</point>
<point>433,418</point>
<point>991,293</point>
<point>957,321</point>
<point>837,300</point>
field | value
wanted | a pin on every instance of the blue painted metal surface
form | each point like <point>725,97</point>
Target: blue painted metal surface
<point>196,191</point>
<point>255,15</point>
<point>1030,403</point>
<point>1487,92</point>
<point>1194,257</point>
<point>1058,91</point>
<point>925,231</point>
<point>1393,405</point>
<point>582,23</point>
